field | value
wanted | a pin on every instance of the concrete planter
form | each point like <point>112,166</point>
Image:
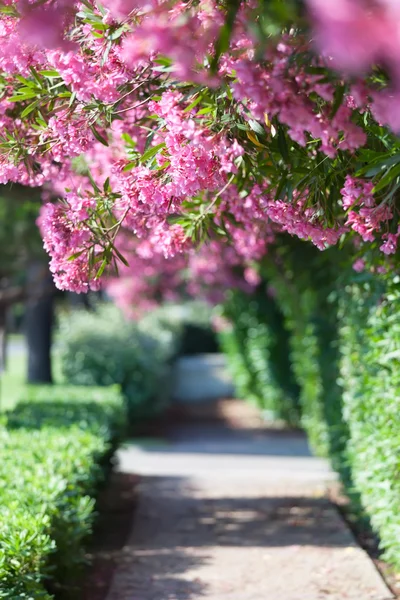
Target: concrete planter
<point>202,377</point>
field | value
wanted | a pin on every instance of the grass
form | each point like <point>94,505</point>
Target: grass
<point>13,380</point>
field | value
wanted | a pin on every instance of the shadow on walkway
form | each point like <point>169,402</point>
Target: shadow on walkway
<point>216,438</point>
<point>230,512</point>
<point>260,521</point>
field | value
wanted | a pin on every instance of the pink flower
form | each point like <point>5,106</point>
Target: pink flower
<point>385,108</point>
<point>352,33</point>
<point>359,265</point>
<point>45,26</point>
<point>252,277</point>
<point>390,244</point>
<point>355,191</point>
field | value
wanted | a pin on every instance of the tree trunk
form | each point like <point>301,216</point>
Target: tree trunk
<point>39,323</point>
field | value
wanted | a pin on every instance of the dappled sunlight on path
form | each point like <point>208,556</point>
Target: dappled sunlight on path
<point>237,514</point>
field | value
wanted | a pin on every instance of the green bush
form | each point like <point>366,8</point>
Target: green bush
<point>370,343</point>
<point>102,348</point>
<point>308,299</point>
<point>54,447</point>
<point>256,346</point>
<point>345,350</point>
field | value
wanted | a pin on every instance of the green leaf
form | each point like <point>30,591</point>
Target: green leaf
<point>50,73</point>
<point>36,77</point>
<point>282,144</point>
<point>195,102</point>
<point>225,33</point>
<point>94,184</point>
<point>101,269</point>
<point>22,97</point>
<point>129,166</point>
<point>255,126</point>
<point>115,35</point>
<point>76,255</point>
<point>98,136</point>
<point>205,111</point>
<point>106,53</point>
<point>30,108</point>
<point>120,256</point>
<point>390,175</point>
<point>128,140</point>
<point>151,152</point>
<point>106,186</point>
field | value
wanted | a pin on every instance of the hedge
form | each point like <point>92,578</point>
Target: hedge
<point>256,346</point>
<point>370,342</point>
<point>55,447</point>
<point>308,298</point>
<point>344,349</point>
<point>101,348</point>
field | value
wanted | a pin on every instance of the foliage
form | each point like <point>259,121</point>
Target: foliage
<point>220,121</point>
<point>102,348</point>
<point>309,300</point>
<point>54,445</point>
<point>370,342</point>
<point>344,351</point>
<point>256,345</point>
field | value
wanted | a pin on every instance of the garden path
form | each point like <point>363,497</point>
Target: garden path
<point>237,512</point>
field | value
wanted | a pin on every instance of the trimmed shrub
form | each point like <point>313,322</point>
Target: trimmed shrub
<point>297,306</point>
<point>344,347</point>
<point>102,348</point>
<point>256,346</point>
<point>54,449</point>
<point>308,298</point>
<point>370,343</point>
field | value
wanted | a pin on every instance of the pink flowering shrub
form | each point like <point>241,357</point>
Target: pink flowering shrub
<point>156,127</point>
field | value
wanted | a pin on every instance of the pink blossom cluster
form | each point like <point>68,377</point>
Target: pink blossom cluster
<point>149,278</point>
<point>356,191</point>
<point>127,90</point>
<point>365,217</point>
<point>303,222</point>
<point>251,231</point>
<point>185,36</point>
<point>65,233</point>
<point>285,90</point>
<point>355,35</point>
<point>216,268</point>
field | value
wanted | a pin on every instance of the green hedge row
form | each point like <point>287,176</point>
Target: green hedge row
<point>370,368</point>
<point>309,300</point>
<point>56,444</point>
<point>256,347</point>
<point>344,350</point>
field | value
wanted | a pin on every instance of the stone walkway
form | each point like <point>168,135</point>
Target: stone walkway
<point>237,514</point>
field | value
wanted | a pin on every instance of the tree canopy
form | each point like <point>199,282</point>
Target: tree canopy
<point>163,124</point>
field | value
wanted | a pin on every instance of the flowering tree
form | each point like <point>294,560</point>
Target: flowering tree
<point>177,122</point>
